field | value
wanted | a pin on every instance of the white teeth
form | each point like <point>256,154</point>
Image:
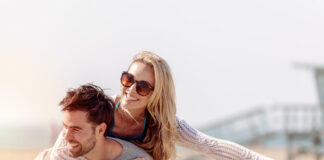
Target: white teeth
<point>72,145</point>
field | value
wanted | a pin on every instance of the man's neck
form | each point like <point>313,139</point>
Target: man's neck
<point>105,149</point>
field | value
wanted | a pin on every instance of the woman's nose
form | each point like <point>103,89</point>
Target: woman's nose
<point>132,89</point>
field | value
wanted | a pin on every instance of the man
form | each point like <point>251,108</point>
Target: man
<point>87,117</point>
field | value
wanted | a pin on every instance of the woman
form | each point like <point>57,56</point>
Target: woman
<point>146,110</point>
<point>145,114</point>
<point>148,97</point>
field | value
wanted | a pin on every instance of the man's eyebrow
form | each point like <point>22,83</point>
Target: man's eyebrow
<point>74,127</point>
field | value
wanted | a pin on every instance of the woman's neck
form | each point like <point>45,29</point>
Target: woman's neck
<point>132,114</point>
<point>129,123</point>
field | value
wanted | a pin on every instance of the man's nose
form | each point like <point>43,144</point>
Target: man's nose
<point>67,135</point>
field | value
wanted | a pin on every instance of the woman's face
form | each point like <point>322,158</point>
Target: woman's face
<point>130,99</point>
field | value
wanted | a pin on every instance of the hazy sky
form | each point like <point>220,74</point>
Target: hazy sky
<point>226,57</point>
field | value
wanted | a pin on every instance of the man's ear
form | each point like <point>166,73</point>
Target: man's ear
<point>102,128</point>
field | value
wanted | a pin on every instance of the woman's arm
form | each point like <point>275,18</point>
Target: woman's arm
<point>216,148</point>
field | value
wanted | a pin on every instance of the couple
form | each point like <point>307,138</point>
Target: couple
<point>145,115</point>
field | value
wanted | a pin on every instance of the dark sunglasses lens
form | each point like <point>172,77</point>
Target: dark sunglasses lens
<point>143,88</point>
<point>127,80</point>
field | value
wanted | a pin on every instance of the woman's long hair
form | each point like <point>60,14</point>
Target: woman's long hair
<point>161,132</point>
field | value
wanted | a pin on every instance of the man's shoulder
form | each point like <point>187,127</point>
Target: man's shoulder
<point>44,155</point>
<point>131,151</point>
<point>56,154</point>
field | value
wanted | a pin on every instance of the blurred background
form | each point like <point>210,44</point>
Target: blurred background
<point>246,71</point>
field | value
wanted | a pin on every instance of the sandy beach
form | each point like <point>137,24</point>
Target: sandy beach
<point>275,153</point>
<point>18,154</point>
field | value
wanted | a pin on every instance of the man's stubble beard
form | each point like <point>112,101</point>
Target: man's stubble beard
<point>85,148</point>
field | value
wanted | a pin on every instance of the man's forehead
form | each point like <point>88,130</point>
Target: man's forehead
<point>75,117</point>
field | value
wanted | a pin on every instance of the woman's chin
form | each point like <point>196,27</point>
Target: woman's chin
<point>127,103</point>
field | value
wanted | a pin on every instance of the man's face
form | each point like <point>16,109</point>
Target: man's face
<point>78,132</point>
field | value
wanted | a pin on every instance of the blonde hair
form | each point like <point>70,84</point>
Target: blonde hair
<point>161,132</point>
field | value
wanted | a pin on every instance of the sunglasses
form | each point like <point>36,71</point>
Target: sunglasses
<point>143,88</point>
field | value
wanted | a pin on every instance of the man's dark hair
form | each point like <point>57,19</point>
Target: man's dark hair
<point>91,99</point>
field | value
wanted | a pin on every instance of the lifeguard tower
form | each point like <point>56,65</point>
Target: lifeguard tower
<point>316,134</point>
<point>298,127</point>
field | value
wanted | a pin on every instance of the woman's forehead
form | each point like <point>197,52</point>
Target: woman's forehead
<point>142,71</point>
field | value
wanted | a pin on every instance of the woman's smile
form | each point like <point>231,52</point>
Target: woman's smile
<point>130,98</point>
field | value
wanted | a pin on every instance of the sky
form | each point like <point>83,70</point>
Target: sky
<point>226,57</point>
